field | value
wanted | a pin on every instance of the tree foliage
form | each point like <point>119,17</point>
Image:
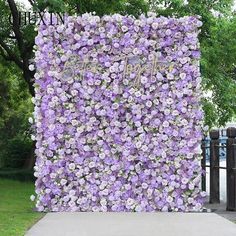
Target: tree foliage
<point>15,108</point>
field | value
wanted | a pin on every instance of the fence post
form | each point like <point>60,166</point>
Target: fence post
<point>231,169</point>
<point>203,164</point>
<point>214,167</point>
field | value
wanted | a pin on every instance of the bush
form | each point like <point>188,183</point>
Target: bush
<point>17,150</point>
<point>17,174</point>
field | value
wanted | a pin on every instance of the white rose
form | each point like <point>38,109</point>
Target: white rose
<point>72,166</point>
<point>31,67</point>
<point>32,198</point>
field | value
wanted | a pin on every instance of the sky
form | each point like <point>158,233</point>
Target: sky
<point>26,3</point>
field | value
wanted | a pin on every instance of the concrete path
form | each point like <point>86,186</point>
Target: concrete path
<point>133,224</point>
<point>220,209</point>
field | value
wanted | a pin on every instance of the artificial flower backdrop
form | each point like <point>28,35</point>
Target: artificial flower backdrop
<point>117,114</point>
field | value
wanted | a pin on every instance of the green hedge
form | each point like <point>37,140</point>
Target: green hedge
<point>17,174</point>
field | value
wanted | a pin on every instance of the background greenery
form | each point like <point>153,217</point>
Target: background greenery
<point>218,47</point>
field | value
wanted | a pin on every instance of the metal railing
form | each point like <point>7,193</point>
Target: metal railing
<point>213,148</point>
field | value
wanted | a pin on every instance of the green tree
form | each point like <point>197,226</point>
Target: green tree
<point>16,42</point>
<point>15,108</point>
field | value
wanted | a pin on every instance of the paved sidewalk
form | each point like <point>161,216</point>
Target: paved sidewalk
<point>220,209</point>
<point>133,224</point>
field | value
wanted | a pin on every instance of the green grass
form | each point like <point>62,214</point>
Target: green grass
<point>16,209</point>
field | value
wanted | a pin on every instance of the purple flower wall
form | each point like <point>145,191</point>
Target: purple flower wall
<point>117,114</point>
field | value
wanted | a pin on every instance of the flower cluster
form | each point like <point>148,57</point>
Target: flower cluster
<point>123,137</point>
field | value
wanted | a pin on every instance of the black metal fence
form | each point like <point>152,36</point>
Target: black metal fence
<point>220,145</point>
